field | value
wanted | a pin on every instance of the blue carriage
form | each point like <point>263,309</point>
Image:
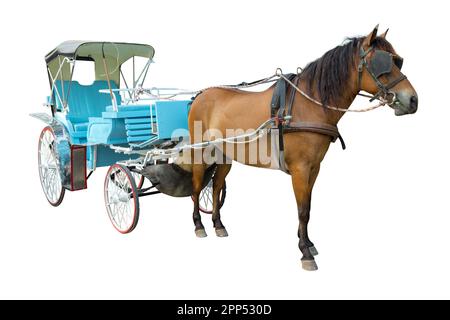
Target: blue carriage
<point>108,123</point>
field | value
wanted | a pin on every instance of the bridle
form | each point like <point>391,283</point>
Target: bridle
<point>380,64</point>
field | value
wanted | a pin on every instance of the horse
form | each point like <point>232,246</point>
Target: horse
<point>368,63</point>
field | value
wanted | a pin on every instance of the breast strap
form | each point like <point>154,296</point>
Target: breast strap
<point>322,128</point>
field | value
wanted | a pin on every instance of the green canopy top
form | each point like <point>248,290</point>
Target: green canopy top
<point>115,54</point>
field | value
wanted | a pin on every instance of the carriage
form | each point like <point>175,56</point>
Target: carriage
<point>113,121</point>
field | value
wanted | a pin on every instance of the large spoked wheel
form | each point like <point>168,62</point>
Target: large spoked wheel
<point>206,198</point>
<point>48,168</point>
<point>139,179</point>
<point>121,198</point>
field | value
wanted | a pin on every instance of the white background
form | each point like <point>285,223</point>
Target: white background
<point>380,211</point>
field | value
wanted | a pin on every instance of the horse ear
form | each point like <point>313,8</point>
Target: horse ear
<point>384,34</point>
<point>369,39</point>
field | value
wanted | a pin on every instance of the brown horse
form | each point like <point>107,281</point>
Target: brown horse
<point>334,79</point>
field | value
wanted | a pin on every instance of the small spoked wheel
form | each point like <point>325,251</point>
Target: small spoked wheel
<point>48,168</point>
<point>138,178</point>
<point>121,198</point>
<point>206,198</point>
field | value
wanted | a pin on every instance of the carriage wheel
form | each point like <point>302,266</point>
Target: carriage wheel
<point>139,179</point>
<point>121,198</point>
<point>206,198</point>
<point>48,168</point>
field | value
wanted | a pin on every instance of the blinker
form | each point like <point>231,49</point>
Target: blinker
<point>382,62</point>
<point>398,61</point>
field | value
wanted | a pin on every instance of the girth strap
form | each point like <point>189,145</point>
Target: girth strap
<point>278,104</point>
<point>277,109</point>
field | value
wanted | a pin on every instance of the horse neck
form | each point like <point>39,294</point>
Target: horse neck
<point>344,101</point>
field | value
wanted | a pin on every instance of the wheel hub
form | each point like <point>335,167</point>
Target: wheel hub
<point>121,196</point>
<point>119,190</point>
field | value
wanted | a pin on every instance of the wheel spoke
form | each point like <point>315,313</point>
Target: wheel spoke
<point>204,198</point>
<point>120,204</point>
<point>206,202</point>
<point>137,179</point>
<point>48,167</point>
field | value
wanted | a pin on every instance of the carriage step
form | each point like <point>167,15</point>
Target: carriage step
<point>139,126</point>
<point>133,133</point>
<point>140,138</point>
<point>139,120</point>
<point>126,114</point>
<point>129,111</point>
<point>128,108</point>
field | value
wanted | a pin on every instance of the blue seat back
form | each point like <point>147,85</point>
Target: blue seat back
<point>85,101</point>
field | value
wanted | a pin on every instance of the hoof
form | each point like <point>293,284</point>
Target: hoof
<point>200,233</point>
<point>313,251</point>
<point>221,233</point>
<point>309,265</point>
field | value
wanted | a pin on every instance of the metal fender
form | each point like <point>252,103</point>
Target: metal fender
<point>62,146</point>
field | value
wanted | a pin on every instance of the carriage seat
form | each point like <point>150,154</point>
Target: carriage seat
<point>84,101</point>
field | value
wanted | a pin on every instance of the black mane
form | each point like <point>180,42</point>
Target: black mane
<point>329,75</point>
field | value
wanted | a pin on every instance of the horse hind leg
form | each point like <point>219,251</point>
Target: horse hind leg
<point>218,184</point>
<point>198,172</point>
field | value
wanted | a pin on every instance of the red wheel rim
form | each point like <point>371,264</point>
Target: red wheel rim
<point>139,179</point>
<point>206,200</point>
<point>121,198</point>
<point>48,167</point>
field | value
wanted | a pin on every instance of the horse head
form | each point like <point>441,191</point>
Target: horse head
<point>380,73</point>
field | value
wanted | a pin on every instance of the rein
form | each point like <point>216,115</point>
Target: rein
<point>279,74</point>
<point>370,108</point>
<point>385,96</point>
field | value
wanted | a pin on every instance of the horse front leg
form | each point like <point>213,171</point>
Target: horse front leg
<point>302,177</point>
<point>312,179</point>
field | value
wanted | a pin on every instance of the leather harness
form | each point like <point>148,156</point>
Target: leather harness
<point>380,64</point>
<point>281,112</point>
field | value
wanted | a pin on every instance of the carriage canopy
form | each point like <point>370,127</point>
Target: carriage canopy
<point>115,54</point>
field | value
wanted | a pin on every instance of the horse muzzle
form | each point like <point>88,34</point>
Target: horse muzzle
<point>405,103</point>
